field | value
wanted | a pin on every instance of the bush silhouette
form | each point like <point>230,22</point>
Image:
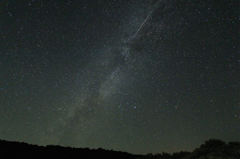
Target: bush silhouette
<point>213,148</point>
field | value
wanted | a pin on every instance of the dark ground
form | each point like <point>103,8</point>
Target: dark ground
<point>211,149</point>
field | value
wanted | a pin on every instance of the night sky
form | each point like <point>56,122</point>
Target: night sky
<point>133,75</point>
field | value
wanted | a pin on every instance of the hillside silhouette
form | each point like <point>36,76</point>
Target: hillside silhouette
<point>211,149</point>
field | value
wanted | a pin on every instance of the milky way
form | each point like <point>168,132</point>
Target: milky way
<point>136,76</point>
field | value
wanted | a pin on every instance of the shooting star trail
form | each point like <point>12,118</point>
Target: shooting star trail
<point>155,6</point>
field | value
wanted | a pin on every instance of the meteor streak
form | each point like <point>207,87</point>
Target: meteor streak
<point>155,6</point>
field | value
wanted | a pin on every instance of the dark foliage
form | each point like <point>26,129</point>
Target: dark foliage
<point>16,149</point>
<point>214,149</point>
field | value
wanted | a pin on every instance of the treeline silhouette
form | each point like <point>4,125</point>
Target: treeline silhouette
<point>9,148</point>
<point>211,149</point>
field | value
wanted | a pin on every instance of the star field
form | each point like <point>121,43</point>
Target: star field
<point>136,76</point>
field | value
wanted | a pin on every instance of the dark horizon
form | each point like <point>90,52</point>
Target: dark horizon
<point>135,76</point>
<point>210,146</point>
